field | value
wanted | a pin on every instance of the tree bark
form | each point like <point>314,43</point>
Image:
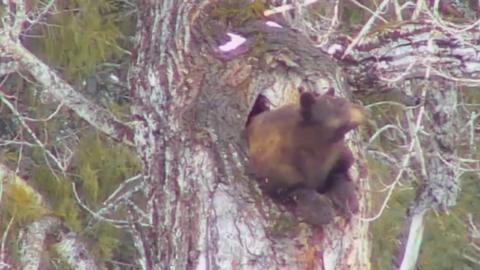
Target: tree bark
<point>192,100</point>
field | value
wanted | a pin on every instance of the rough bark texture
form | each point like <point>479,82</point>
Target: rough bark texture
<point>186,109</point>
<point>32,239</point>
<point>205,212</point>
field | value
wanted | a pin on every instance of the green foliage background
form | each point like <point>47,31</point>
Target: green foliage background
<point>108,164</point>
<point>445,239</point>
<point>80,35</point>
<point>77,37</point>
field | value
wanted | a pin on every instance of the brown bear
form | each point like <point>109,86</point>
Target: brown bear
<point>299,152</point>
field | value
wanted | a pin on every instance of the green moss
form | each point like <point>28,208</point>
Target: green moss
<point>107,242</point>
<point>102,165</point>
<point>58,192</point>
<point>89,182</point>
<point>82,34</point>
<point>57,258</point>
<point>237,12</point>
<point>21,203</point>
<point>471,95</point>
<point>68,210</point>
<point>75,39</point>
<point>8,155</point>
<point>99,166</point>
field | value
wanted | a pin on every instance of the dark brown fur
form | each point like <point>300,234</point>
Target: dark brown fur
<point>297,149</point>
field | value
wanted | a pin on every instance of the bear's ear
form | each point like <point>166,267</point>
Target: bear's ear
<point>306,102</point>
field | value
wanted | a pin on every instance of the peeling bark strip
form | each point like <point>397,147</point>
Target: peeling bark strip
<point>98,117</point>
<point>412,50</point>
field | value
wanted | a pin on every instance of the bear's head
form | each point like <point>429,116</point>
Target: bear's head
<point>330,113</point>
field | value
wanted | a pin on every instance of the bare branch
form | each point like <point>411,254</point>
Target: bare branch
<point>31,133</point>
<point>31,241</point>
<point>8,67</point>
<point>421,49</point>
<point>404,165</point>
<point>98,117</point>
<point>74,253</point>
<point>113,222</point>
<point>3,252</point>
<point>285,8</point>
<point>14,19</point>
<point>366,27</point>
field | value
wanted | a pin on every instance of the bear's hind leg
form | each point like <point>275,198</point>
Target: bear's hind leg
<point>342,192</point>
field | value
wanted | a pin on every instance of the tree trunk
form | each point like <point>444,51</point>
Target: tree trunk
<point>192,101</point>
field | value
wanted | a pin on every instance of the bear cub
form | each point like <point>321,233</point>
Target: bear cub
<point>299,155</point>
